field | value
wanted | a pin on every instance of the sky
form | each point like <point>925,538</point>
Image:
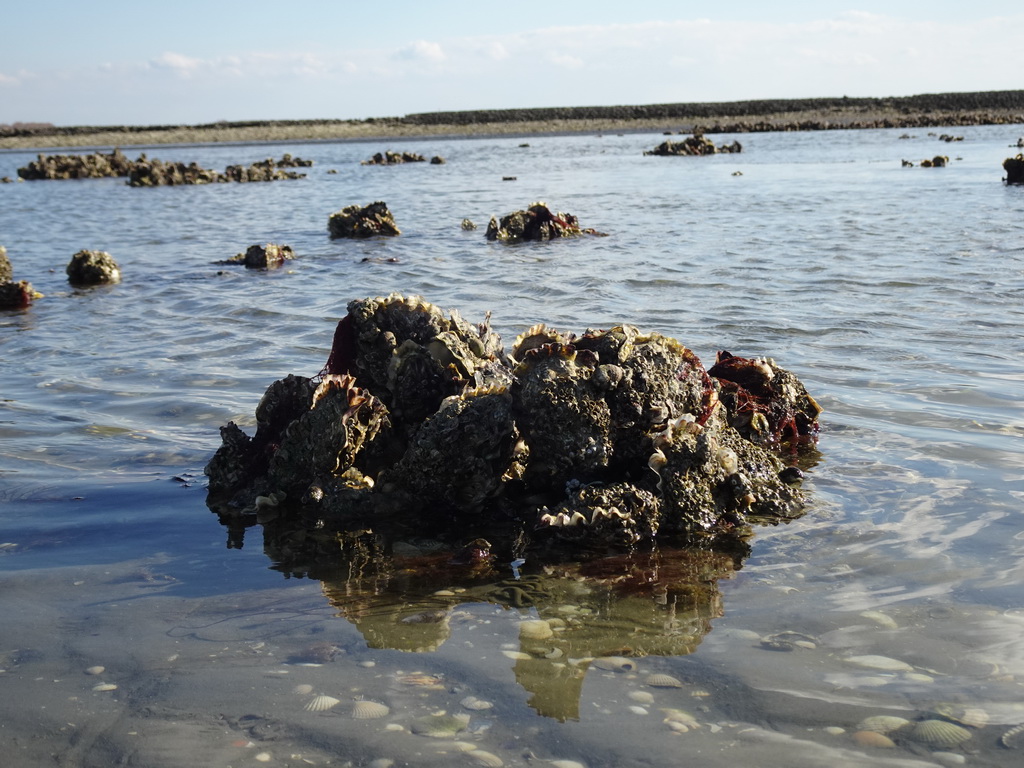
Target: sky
<point>135,62</point>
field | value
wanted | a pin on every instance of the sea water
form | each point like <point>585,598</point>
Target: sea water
<point>896,294</point>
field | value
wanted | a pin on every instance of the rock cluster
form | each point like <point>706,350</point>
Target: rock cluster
<point>698,144</point>
<point>394,158</point>
<point>93,166</point>
<point>13,295</point>
<point>143,172</point>
<point>92,268</point>
<point>537,222</point>
<point>266,256</point>
<point>155,173</point>
<point>362,221</point>
<point>603,440</point>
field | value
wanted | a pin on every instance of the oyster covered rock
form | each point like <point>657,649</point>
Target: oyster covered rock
<point>362,221</point>
<point>93,268</point>
<point>537,222</point>
<point>604,440</point>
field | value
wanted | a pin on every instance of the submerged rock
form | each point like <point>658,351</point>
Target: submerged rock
<point>266,256</point>
<point>1014,167</point>
<point>362,221</point>
<point>698,144</point>
<point>93,268</point>
<point>537,222</point>
<point>605,440</point>
<point>14,295</point>
<point>17,295</point>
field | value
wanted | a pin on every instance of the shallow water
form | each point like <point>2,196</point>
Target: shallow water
<point>894,293</point>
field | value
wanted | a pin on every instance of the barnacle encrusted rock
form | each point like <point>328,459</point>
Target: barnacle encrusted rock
<point>6,271</point>
<point>394,158</point>
<point>93,268</point>
<point>1014,167</point>
<point>607,439</point>
<point>362,221</point>
<point>537,222</point>
<point>267,256</point>
<point>698,144</point>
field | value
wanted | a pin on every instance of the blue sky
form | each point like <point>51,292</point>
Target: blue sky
<point>116,62</point>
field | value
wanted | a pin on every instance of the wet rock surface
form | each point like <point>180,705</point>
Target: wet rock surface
<point>357,221</point>
<point>92,268</point>
<point>537,222</point>
<point>1014,167</point>
<point>421,420</point>
<point>267,256</point>
<point>6,271</point>
<point>17,295</point>
<point>92,166</point>
<point>698,144</point>
<point>13,295</point>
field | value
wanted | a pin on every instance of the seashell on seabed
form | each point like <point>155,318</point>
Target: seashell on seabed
<point>369,710</point>
<point>615,664</point>
<point>321,703</point>
<point>439,726</point>
<point>938,734</point>
<point>472,702</point>
<point>659,680</point>
<point>486,759</point>
<point>1013,738</point>
<point>882,723</point>
<point>973,717</point>
<point>871,661</point>
<point>534,629</point>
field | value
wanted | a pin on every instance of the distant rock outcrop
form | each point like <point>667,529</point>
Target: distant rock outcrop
<point>697,144</point>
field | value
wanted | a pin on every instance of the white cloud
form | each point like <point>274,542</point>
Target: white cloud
<point>422,50</point>
<point>8,80</point>
<point>565,61</point>
<point>183,65</point>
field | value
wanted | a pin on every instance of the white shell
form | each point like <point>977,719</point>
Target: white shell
<point>880,662</point>
<point>486,759</point>
<point>321,703</point>
<point>97,670</point>
<point>641,697</point>
<point>472,702</point>
<point>881,723</point>
<point>566,764</point>
<point>303,689</point>
<point>105,687</point>
<point>534,629</point>
<point>615,664</point>
<point>369,710</point>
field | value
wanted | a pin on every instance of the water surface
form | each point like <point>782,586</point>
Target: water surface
<point>895,294</point>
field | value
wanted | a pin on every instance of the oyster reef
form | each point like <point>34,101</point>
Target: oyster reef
<point>594,442</point>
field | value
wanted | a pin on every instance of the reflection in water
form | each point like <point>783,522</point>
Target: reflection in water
<point>402,593</point>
